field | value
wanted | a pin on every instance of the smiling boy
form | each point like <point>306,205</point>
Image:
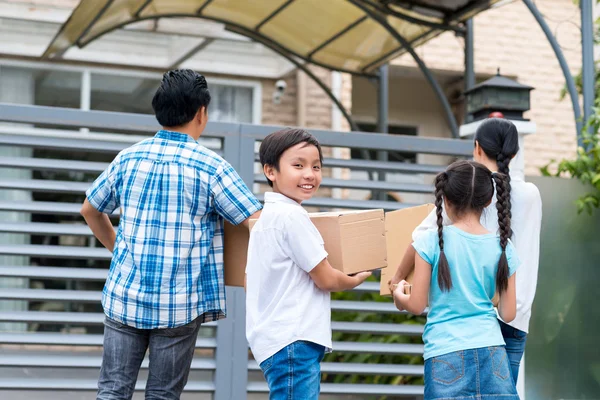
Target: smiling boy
<point>289,278</point>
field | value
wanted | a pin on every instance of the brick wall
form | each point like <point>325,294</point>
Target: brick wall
<point>508,37</point>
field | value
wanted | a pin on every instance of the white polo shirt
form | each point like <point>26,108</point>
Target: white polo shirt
<point>283,304</point>
<point>526,221</point>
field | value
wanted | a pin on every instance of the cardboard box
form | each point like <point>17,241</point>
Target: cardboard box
<point>235,250</point>
<point>354,240</point>
<point>399,226</point>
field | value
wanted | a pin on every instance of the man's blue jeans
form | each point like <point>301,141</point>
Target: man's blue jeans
<point>171,352</point>
<point>294,372</point>
<point>515,340</point>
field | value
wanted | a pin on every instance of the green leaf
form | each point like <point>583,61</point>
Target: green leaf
<point>544,170</point>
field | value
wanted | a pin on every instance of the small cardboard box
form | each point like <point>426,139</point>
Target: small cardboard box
<point>354,240</point>
<point>399,226</point>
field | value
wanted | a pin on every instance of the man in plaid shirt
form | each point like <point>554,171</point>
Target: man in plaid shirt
<point>166,275</point>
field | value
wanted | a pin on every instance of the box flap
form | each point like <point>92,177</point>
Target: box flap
<point>351,216</point>
<point>364,245</point>
<point>399,226</point>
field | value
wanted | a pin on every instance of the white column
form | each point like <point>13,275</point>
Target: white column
<point>16,86</point>
<point>517,165</point>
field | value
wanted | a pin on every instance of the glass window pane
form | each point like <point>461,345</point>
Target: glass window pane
<point>229,103</point>
<point>123,93</point>
<point>40,87</point>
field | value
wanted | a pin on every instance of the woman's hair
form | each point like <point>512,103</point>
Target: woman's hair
<point>467,186</point>
<point>499,140</point>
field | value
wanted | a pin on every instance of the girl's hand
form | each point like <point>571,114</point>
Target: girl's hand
<point>400,299</point>
<point>392,285</point>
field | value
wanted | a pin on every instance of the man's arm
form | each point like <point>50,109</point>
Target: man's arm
<point>246,222</point>
<point>233,200</point>
<point>100,225</point>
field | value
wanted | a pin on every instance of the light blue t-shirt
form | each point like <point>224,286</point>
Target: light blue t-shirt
<point>464,317</point>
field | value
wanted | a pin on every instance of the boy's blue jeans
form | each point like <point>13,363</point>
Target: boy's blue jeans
<point>294,372</point>
<point>171,352</point>
<point>515,340</point>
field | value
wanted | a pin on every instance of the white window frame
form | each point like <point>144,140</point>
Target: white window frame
<point>256,87</point>
<point>87,71</point>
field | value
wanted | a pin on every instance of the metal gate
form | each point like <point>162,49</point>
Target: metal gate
<point>50,316</point>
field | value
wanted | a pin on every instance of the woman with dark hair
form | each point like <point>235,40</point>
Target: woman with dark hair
<point>458,268</point>
<point>496,144</point>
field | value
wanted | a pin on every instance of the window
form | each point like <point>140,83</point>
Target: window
<point>229,102</point>
<point>40,86</point>
<point>398,156</point>
<point>56,85</point>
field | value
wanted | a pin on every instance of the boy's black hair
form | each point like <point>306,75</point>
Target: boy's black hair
<point>274,145</point>
<point>182,92</point>
<point>469,187</point>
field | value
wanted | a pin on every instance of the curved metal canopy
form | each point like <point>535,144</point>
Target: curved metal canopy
<point>352,36</point>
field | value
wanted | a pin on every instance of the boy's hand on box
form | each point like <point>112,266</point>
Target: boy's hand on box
<point>333,280</point>
<point>361,277</point>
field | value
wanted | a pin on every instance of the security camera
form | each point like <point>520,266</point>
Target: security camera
<point>280,86</point>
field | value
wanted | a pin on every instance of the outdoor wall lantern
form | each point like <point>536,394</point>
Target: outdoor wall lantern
<point>499,96</point>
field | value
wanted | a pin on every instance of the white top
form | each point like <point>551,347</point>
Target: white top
<point>283,304</point>
<point>526,221</point>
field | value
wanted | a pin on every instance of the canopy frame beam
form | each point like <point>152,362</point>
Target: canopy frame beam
<point>562,61</point>
<point>273,14</point>
<point>142,8</point>
<point>387,10</point>
<point>588,65</point>
<point>256,36</point>
<point>451,120</point>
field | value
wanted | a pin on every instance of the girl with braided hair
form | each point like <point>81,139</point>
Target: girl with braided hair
<point>496,144</point>
<point>458,269</point>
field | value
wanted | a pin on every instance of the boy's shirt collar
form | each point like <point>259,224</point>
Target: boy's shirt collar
<point>175,136</point>
<point>272,197</point>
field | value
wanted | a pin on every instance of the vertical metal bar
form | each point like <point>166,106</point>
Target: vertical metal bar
<point>85,94</point>
<point>231,376</point>
<point>426,71</point>
<point>382,118</point>
<point>469,61</point>
<point>561,60</point>
<point>587,51</point>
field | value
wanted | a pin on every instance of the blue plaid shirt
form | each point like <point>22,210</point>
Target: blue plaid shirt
<point>167,264</point>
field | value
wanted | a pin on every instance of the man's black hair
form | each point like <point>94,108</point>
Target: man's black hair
<point>274,145</point>
<point>182,92</point>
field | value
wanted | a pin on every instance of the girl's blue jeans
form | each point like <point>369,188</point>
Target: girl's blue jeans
<point>472,374</point>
